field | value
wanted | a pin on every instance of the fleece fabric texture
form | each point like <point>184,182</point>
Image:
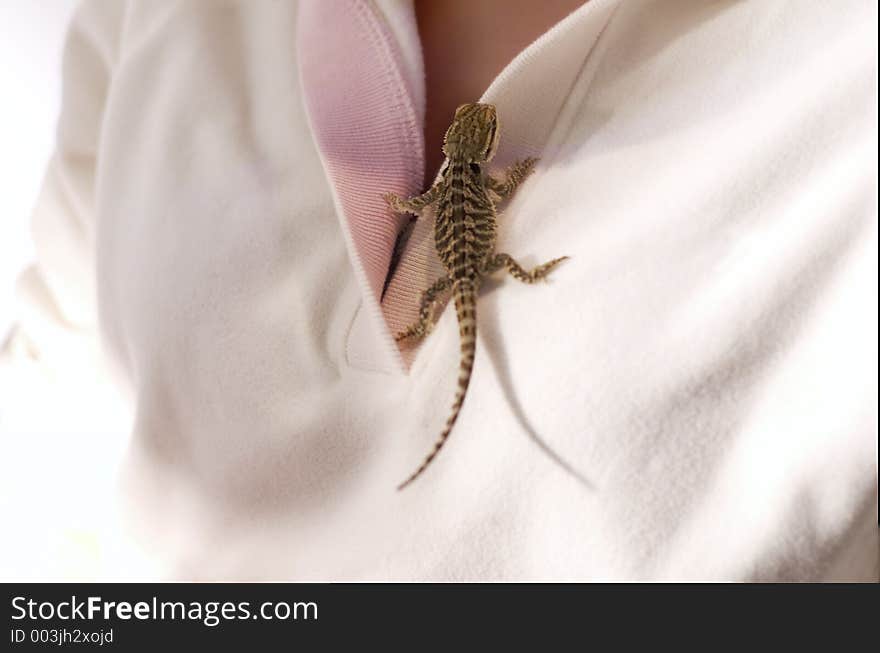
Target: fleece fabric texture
<point>204,380</point>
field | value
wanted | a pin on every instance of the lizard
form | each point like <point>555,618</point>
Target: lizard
<point>465,226</point>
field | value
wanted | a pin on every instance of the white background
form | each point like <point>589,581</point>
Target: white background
<point>31,39</point>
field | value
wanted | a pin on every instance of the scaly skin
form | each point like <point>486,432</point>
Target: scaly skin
<point>464,235</point>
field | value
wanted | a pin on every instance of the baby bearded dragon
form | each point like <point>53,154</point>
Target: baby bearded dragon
<point>464,234</point>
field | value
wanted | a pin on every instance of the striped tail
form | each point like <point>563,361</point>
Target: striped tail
<point>464,292</point>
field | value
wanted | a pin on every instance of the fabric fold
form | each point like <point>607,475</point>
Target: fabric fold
<point>367,127</point>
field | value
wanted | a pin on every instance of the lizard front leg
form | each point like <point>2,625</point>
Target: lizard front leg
<point>426,319</point>
<point>512,177</point>
<point>498,261</point>
<point>413,205</point>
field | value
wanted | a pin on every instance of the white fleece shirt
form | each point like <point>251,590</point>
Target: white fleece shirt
<point>691,396</point>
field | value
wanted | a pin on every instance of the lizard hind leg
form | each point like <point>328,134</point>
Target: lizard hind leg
<point>499,261</point>
<point>422,327</point>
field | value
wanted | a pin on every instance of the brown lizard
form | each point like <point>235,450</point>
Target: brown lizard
<point>464,235</point>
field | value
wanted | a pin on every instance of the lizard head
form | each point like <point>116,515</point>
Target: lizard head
<point>473,134</point>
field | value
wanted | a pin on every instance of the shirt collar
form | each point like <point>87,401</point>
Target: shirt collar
<point>363,86</point>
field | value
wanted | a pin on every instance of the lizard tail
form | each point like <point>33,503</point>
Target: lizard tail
<point>464,293</point>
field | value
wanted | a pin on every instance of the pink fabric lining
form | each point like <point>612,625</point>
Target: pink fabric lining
<point>365,125</point>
